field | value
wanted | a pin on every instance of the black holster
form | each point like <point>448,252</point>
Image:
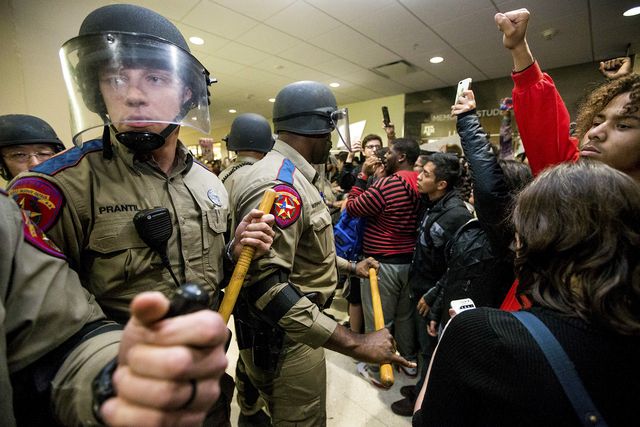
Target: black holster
<point>263,338</point>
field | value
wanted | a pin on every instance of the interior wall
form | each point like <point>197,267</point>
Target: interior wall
<point>428,113</point>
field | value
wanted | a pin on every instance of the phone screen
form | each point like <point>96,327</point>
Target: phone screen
<point>462,86</point>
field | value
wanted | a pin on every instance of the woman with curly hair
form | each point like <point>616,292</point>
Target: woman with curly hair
<point>578,260</point>
<point>608,121</point>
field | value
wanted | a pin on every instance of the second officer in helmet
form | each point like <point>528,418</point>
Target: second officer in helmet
<point>280,325</point>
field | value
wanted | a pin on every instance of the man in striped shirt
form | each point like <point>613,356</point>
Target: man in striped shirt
<point>391,207</point>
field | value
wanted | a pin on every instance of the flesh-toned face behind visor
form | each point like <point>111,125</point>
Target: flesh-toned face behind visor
<point>134,97</point>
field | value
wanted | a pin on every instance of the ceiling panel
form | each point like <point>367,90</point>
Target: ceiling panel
<point>240,53</point>
<point>353,46</point>
<point>218,20</point>
<point>267,39</point>
<point>352,10</point>
<point>315,21</point>
<point>255,47</point>
<point>255,9</point>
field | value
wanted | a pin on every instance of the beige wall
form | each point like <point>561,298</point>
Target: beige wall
<point>371,111</point>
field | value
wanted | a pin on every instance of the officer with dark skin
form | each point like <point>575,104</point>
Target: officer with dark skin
<point>130,75</point>
<point>25,142</point>
<point>51,327</point>
<point>281,328</point>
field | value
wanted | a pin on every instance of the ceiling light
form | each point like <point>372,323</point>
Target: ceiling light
<point>196,40</point>
<point>232,111</point>
<point>334,84</point>
<point>436,59</point>
<point>272,100</point>
<point>632,12</point>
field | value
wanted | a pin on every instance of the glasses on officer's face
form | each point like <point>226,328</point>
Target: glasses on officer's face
<point>21,157</point>
<point>373,147</point>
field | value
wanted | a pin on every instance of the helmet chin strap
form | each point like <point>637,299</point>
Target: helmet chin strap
<point>144,142</point>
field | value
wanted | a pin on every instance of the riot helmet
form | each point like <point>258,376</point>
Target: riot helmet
<point>309,108</point>
<point>129,55</point>
<point>250,132</point>
<point>23,129</point>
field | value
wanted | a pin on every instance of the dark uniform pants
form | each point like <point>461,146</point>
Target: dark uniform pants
<point>296,394</point>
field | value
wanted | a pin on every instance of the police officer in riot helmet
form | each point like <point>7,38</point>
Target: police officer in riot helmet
<point>309,108</point>
<point>134,73</point>
<point>250,132</point>
<point>25,141</point>
<point>133,83</point>
<point>280,324</point>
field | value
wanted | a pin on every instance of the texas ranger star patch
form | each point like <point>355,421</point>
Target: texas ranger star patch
<point>40,199</point>
<point>37,238</point>
<point>287,205</point>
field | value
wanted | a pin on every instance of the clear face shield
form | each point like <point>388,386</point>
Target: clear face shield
<point>134,83</point>
<point>340,120</point>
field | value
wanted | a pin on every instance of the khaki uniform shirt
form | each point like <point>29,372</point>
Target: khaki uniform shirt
<point>233,173</point>
<point>86,204</point>
<point>42,304</point>
<point>305,247</point>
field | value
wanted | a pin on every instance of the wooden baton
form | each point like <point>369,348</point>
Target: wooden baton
<point>232,291</point>
<point>386,371</point>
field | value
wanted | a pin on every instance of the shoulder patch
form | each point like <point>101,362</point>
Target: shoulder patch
<point>287,205</point>
<point>40,199</point>
<point>285,174</point>
<point>34,236</point>
<point>68,158</point>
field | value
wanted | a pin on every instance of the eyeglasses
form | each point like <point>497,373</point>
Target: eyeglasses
<point>21,157</point>
<point>373,147</point>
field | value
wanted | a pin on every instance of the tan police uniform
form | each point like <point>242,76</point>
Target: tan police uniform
<point>303,251</point>
<point>42,304</point>
<point>247,397</point>
<point>86,202</point>
<point>233,173</point>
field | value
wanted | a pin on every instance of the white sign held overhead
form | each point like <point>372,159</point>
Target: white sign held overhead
<point>355,131</point>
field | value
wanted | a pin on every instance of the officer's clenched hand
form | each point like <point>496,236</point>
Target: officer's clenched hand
<point>362,268</point>
<point>380,347</point>
<point>254,230</point>
<point>374,347</point>
<point>168,369</point>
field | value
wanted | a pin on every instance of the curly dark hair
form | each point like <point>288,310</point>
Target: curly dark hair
<point>579,244</point>
<point>602,95</point>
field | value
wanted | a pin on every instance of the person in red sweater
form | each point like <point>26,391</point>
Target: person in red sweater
<point>391,207</point>
<point>608,123</point>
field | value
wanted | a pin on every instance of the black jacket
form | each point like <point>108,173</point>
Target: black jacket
<point>483,274</point>
<point>492,198</point>
<point>439,224</point>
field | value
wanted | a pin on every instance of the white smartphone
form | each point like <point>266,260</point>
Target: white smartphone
<point>460,305</point>
<point>462,86</point>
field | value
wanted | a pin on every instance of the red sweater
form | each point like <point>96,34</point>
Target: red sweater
<point>543,120</point>
<point>391,206</point>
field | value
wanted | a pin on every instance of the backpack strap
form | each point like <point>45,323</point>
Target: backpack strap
<point>563,368</point>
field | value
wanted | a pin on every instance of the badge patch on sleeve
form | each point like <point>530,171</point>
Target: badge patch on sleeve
<point>287,205</point>
<point>40,199</point>
<point>35,236</point>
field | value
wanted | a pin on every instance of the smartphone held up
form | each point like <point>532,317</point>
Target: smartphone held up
<point>463,85</point>
<point>385,116</point>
